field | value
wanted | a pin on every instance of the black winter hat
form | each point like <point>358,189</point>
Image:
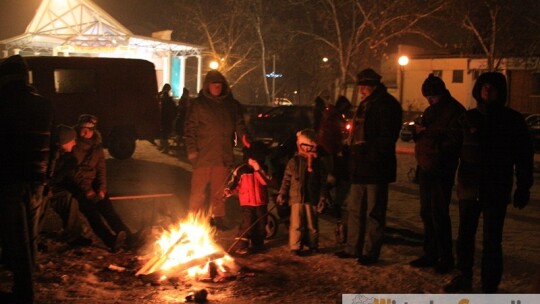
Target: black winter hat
<point>65,134</point>
<point>433,86</point>
<point>368,77</point>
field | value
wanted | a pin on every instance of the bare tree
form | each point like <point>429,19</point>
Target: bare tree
<point>355,30</point>
<point>499,28</point>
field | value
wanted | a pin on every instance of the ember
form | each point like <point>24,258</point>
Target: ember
<point>189,249</point>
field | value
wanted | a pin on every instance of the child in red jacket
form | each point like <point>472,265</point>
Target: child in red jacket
<point>251,181</point>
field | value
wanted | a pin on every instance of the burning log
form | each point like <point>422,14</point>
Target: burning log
<point>157,261</point>
<point>188,250</point>
<point>197,262</point>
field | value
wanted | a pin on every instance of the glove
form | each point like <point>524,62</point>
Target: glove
<point>331,179</point>
<point>192,156</point>
<point>521,198</point>
<point>321,205</point>
<point>280,200</point>
<point>93,197</point>
<point>253,163</point>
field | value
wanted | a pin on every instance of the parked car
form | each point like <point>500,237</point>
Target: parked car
<point>282,102</point>
<point>277,124</point>
<point>406,133</point>
<point>533,124</point>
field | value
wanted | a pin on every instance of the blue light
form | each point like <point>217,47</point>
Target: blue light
<point>274,75</point>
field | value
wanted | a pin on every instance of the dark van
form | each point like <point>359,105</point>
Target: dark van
<point>120,92</point>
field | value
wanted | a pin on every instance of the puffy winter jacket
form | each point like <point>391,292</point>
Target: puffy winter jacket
<point>300,186</point>
<point>251,186</point>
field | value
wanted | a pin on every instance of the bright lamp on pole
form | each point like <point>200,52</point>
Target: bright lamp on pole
<point>402,61</point>
<point>214,65</point>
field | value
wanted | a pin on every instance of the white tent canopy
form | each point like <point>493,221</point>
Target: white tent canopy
<point>81,28</point>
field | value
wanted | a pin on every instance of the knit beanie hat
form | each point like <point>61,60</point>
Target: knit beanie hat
<point>65,134</point>
<point>306,141</point>
<point>368,77</point>
<point>433,86</point>
<point>306,137</point>
<point>87,121</point>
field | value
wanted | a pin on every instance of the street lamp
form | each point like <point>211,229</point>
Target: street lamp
<point>214,65</point>
<point>402,61</point>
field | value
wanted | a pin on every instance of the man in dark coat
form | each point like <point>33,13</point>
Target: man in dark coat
<point>25,124</point>
<point>372,165</point>
<point>213,121</point>
<point>496,145</point>
<point>437,153</point>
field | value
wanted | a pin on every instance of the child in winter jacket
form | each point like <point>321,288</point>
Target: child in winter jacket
<point>304,186</point>
<point>251,181</point>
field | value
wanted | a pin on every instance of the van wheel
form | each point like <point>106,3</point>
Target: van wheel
<point>121,146</point>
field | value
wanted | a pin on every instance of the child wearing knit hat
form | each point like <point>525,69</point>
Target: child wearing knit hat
<point>304,187</point>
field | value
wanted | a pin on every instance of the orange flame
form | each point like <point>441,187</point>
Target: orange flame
<point>191,240</point>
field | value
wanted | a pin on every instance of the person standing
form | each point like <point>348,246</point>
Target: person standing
<point>437,153</point>
<point>90,189</point>
<point>330,145</point>
<point>372,165</point>
<point>213,123</point>
<point>496,145</point>
<point>167,109</point>
<point>251,182</point>
<point>25,131</point>
<point>304,187</point>
<point>180,119</point>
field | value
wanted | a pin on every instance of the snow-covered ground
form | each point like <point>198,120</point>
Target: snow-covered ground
<point>81,275</point>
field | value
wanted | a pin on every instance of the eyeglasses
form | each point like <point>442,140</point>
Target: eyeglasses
<point>307,147</point>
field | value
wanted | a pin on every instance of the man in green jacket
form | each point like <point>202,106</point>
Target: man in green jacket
<point>213,122</point>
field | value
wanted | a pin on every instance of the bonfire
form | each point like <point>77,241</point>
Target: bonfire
<point>188,250</point>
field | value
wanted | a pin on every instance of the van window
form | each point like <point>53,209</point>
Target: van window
<point>74,81</point>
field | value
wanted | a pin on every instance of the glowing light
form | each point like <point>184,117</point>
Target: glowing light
<point>214,65</point>
<point>403,60</point>
<point>325,59</point>
<point>274,75</point>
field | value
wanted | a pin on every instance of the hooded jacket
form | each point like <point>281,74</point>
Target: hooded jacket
<point>213,124</point>
<point>496,142</point>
